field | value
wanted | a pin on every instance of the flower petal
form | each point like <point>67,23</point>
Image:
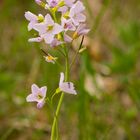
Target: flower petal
<point>68,87</point>
<point>49,20</point>
<point>48,37</point>
<point>61,78</point>
<point>30,26</point>
<point>80,17</point>
<point>30,16</point>
<point>57,29</point>
<point>67,38</point>
<point>31,98</point>
<point>41,28</point>
<point>63,9</point>
<point>35,89</point>
<point>37,39</point>
<point>40,104</point>
<point>43,91</point>
<point>79,7</point>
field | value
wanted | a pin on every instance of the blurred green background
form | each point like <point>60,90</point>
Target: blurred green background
<point>107,74</point>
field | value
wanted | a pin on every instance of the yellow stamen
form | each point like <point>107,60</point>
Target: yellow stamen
<point>50,58</point>
<point>40,18</point>
<point>39,96</point>
<point>75,35</point>
<point>61,4</point>
<point>66,15</point>
<point>49,28</point>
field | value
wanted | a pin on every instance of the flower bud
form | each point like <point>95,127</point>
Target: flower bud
<point>38,2</point>
<point>41,3</point>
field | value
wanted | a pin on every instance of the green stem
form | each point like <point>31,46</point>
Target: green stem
<point>53,132</point>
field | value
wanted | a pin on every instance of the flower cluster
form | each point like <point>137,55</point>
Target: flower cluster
<point>63,23</point>
<point>39,94</point>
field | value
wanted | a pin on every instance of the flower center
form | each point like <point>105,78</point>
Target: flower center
<point>65,25</point>
<point>40,18</point>
<point>49,28</point>
<point>50,58</point>
<point>39,96</point>
<point>66,15</point>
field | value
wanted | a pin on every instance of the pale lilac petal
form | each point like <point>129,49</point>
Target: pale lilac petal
<point>75,21</point>
<point>49,20</point>
<point>67,38</point>
<point>31,98</point>
<point>30,16</point>
<point>80,17</point>
<point>79,7</point>
<point>63,9</point>
<point>30,26</point>
<point>81,30</point>
<point>67,24</point>
<point>55,43</point>
<point>48,37</point>
<point>43,91</point>
<point>57,29</point>
<point>40,104</point>
<point>61,78</point>
<point>84,32</point>
<point>41,28</point>
<point>68,87</point>
<point>50,61</point>
<point>81,27</point>
<point>37,39</point>
<point>69,2</point>
<point>35,89</point>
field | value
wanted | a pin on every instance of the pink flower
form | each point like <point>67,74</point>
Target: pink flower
<point>67,24</point>
<point>50,59</point>
<point>81,30</point>
<point>67,87</point>
<point>48,29</point>
<point>33,19</point>
<point>38,95</point>
<point>76,14</point>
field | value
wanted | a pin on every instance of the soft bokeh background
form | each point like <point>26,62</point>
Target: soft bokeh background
<point>107,74</point>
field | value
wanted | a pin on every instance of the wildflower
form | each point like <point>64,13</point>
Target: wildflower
<point>50,58</point>
<point>48,29</point>
<point>81,30</point>
<point>76,14</point>
<point>33,19</point>
<point>67,87</point>
<point>38,95</point>
<point>67,24</point>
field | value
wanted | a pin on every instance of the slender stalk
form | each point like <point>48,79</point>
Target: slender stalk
<point>53,132</point>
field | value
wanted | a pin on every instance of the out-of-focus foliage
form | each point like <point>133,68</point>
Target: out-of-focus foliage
<point>107,74</point>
